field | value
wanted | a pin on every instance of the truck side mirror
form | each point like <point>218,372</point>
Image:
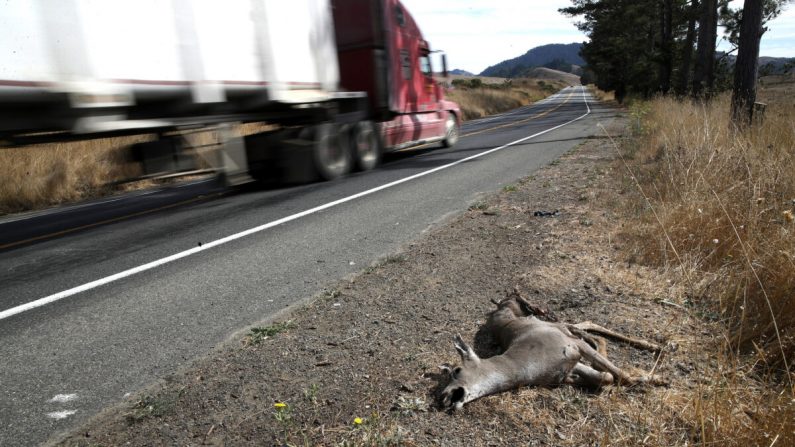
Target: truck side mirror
<point>444,65</point>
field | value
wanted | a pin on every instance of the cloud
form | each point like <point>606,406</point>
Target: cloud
<point>479,33</point>
<point>779,40</point>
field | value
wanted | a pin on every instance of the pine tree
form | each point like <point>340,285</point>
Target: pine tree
<point>746,71</point>
<point>704,75</point>
<point>691,14</point>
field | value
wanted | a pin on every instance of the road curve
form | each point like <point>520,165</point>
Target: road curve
<point>91,315</point>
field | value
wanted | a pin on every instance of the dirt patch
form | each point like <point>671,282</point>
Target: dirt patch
<point>358,366</point>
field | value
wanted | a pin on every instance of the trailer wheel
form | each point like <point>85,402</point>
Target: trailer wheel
<point>452,131</point>
<point>366,146</point>
<point>330,151</point>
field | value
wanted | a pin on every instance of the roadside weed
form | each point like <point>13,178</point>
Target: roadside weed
<point>310,394</point>
<point>478,206</point>
<point>258,334</point>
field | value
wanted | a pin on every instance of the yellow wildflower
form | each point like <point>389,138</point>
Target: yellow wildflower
<point>280,405</point>
<point>358,421</point>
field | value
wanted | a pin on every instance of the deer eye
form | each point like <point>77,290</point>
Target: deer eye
<point>456,372</point>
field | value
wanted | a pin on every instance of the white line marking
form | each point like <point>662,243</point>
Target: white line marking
<point>142,268</point>
<point>61,414</point>
<point>63,398</point>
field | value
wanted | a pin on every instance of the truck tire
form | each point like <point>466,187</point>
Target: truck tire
<point>366,146</point>
<point>451,132</point>
<point>330,152</point>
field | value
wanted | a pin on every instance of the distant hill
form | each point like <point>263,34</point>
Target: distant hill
<point>458,72</point>
<point>555,56</point>
<point>776,65</point>
<point>768,66</point>
<point>548,73</point>
<point>538,74</point>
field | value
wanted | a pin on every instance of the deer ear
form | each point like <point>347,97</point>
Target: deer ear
<point>446,368</point>
<point>466,352</point>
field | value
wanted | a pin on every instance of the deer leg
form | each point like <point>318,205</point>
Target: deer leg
<point>636,342</point>
<point>601,363</point>
<point>587,377</point>
<point>601,345</point>
<point>596,342</point>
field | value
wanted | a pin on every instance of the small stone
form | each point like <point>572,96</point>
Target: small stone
<point>406,387</point>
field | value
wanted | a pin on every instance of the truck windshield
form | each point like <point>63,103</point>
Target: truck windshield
<point>425,65</point>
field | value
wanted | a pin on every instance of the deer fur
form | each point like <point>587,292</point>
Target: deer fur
<point>535,352</point>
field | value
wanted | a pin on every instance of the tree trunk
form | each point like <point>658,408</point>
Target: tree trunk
<point>746,69</point>
<point>666,47</point>
<point>687,51</point>
<point>713,43</point>
<point>620,92</point>
<point>707,36</point>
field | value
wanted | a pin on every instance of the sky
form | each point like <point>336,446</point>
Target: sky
<point>478,33</point>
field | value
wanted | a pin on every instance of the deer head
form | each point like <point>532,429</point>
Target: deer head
<point>475,378</point>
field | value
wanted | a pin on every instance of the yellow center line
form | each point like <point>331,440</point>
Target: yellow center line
<point>514,123</point>
<point>489,129</point>
<point>107,221</point>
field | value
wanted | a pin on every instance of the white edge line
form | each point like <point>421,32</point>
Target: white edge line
<point>63,398</point>
<point>142,268</point>
<point>61,414</point>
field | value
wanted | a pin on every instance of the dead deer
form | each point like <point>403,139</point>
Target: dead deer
<point>536,352</point>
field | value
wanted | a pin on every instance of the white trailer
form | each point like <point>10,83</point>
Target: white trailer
<point>105,53</point>
<point>81,68</point>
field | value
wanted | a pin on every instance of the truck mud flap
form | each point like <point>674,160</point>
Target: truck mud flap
<point>300,155</point>
<point>280,157</point>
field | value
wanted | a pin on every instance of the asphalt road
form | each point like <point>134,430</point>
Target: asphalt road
<point>97,336</point>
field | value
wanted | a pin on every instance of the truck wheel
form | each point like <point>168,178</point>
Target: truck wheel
<point>366,146</point>
<point>451,131</point>
<point>330,151</point>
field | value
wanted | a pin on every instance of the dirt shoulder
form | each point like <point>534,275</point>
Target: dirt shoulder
<point>369,348</point>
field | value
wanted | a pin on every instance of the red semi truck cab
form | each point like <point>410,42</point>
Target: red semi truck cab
<point>382,52</point>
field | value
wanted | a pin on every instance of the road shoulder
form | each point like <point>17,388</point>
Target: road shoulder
<point>359,363</point>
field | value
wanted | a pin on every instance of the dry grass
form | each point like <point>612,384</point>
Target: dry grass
<point>39,176</point>
<point>715,205</point>
<point>778,92</point>
<point>602,95</point>
<point>485,79</point>
<point>488,100</point>
<point>49,174</point>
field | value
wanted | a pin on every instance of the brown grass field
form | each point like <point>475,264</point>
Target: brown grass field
<point>49,174</point>
<point>715,205</point>
<point>496,98</point>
